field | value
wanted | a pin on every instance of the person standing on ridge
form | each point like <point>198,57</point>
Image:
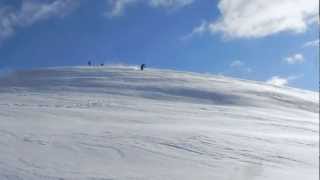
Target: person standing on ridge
<point>142,67</point>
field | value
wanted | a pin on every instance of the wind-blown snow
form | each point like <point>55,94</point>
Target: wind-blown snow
<point>101,123</point>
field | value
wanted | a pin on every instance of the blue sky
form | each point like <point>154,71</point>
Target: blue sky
<point>276,41</point>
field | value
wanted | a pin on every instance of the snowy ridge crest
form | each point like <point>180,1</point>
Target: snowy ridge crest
<point>117,122</point>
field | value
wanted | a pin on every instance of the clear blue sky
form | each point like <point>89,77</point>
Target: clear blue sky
<point>275,41</point>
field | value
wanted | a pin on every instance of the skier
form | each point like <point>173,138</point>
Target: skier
<point>142,67</point>
<point>102,64</point>
<point>89,63</point>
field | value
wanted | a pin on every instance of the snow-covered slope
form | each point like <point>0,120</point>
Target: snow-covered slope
<point>116,122</point>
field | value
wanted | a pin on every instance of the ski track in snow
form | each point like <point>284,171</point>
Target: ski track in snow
<point>118,123</point>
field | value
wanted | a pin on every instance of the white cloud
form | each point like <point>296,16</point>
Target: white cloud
<point>282,81</point>
<point>199,30</point>
<point>314,43</point>
<point>238,68</point>
<point>295,59</point>
<point>119,6</point>
<point>277,81</point>
<point>236,63</point>
<point>30,12</point>
<point>170,3</point>
<point>260,18</point>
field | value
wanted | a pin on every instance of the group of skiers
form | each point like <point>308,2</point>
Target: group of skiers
<point>142,66</point>
<point>90,63</point>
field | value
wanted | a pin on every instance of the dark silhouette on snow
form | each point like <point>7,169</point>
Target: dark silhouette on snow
<point>89,63</point>
<point>142,67</point>
<point>102,64</point>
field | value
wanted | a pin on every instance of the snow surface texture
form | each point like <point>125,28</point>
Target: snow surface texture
<point>105,123</point>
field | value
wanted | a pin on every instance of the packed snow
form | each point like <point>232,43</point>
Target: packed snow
<point>120,123</point>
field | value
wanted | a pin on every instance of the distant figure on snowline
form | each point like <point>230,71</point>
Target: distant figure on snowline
<point>142,67</point>
<point>89,63</point>
<point>102,64</point>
